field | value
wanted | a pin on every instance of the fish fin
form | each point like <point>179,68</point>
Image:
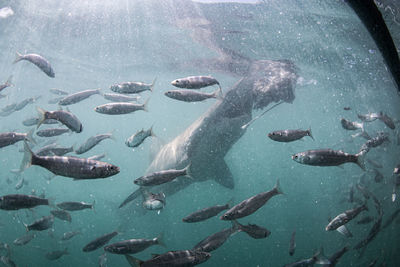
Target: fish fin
<point>360,159</point>
<point>320,257</point>
<point>134,262</point>
<point>310,133</point>
<point>236,226</point>
<point>146,105</point>
<point>18,57</point>
<point>152,84</point>
<point>160,240</point>
<point>27,160</point>
<point>188,171</point>
<point>29,136</point>
<point>278,187</point>
<point>42,116</point>
<point>151,132</point>
<point>220,172</point>
<point>218,94</point>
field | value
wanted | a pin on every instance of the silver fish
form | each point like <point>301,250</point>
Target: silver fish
<point>52,132</point>
<point>25,102</point>
<point>176,258</point>
<point>378,140</point>
<point>253,230</point>
<point>92,142</point>
<point>58,91</point>
<point>23,240</point>
<point>99,242</point>
<point>37,60</point>
<point>68,235</point>
<point>133,246</point>
<point>16,202</point>
<point>62,215</point>
<point>73,167</point>
<point>65,117</point>
<point>138,138</point>
<point>344,218</point>
<point>6,84</point>
<point>161,177</point>
<point>216,240</point>
<point>120,108</point>
<point>192,96</point>
<point>41,224</point>
<point>195,82</point>
<point>78,97</point>
<point>368,117</point>
<point>132,87</point>
<point>251,205</point>
<point>120,97</point>
<point>292,243</point>
<point>55,255</point>
<point>351,125</point>
<point>329,157</point>
<point>74,206</point>
<point>206,213</point>
<point>289,135</point>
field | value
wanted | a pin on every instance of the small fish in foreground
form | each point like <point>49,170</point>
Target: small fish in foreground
<point>378,140</point>
<point>92,142</point>
<point>52,132</point>
<point>178,258</point>
<point>41,224</point>
<point>16,202</point>
<point>55,255</point>
<point>132,87</point>
<point>253,230</point>
<point>289,135</point>
<point>133,246</point>
<point>206,213</point>
<point>292,243</point>
<point>65,117</point>
<point>120,108</point>
<point>251,205</point>
<point>78,97</point>
<point>6,84</point>
<point>195,82</point>
<point>192,96</point>
<point>99,242</point>
<point>11,138</point>
<point>345,217</point>
<point>74,206</point>
<point>138,138</point>
<point>350,125</point>
<point>72,167</point>
<point>68,235</point>
<point>329,157</point>
<point>37,60</point>
<point>161,177</point>
<point>62,215</point>
<point>23,240</point>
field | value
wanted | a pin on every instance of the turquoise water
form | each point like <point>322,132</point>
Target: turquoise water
<point>96,44</point>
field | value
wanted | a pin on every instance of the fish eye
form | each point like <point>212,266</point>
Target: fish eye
<point>295,156</point>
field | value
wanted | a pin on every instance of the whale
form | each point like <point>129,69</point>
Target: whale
<point>205,143</point>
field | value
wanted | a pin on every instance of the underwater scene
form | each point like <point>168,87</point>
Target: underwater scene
<point>213,133</point>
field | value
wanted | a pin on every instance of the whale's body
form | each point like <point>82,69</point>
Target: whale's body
<point>206,141</point>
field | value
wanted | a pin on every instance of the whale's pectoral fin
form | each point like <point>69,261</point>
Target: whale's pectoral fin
<point>221,173</point>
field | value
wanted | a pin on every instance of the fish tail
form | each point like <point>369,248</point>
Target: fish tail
<point>218,94</point>
<point>29,136</point>
<point>236,226</point>
<point>151,131</point>
<point>188,171</point>
<point>134,262</point>
<point>18,57</point>
<point>278,187</point>
<point>9,81</point>
<point>360,159</point>
<point>27,160</point>
<point>146,105</point>
<point>160,240</point>
<point>42,116</point>
<point>152,84</point>
<point>321,258</point>
<point>310,133</point>
<point>92,207</point>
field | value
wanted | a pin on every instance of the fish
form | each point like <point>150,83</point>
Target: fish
<point>347,108</point>
<point>74,206</point>
<point>9,107</point>
<point>23,240</point>
<point>317,258</point>
<point>192,96</point>
<point>177,258</point>
<point>42,63</point>
<point>103,260</point>
<point>35,120</point>
<point>132,87</point>
<point>120,108</point>
<point>92,142</point>
<point>351,125</point>
<point>289,135</point>
<point>336,256</point>
<point>132,246</point>
<point>388,121</point>
<point>55,255</point>
<point>8,83</point>
<point>153,201</point>
<point>329,157</point>
<point>41,224</point>
<point>162,177</point>
<point>65,117</point>
<point>97,157</point>
<point>253,230</point>
<point>52,132</point>
<point>55,100</point>
<point>7,261</point>
<point>68,235</point>
<point>206,213</point>
<point>120,97</point>
<point>78,97</point>
<point>72,167</point>
<point>378,176</point>
<point>376,141</point>
<point>10,138</point>
<point>345,217</point>
<point>370,117</point>
<point>25,102</point>
<point>251,205</point>
<point>216,240</point>
<point>292,243</point>
<point>53,150</point>
<point>365,220</point>
<point>18,201</point>
<point>99,242</point>
<point>58,91</point>
<point>62,215</point>
<point>195,82</point>
<point>138,138</point>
